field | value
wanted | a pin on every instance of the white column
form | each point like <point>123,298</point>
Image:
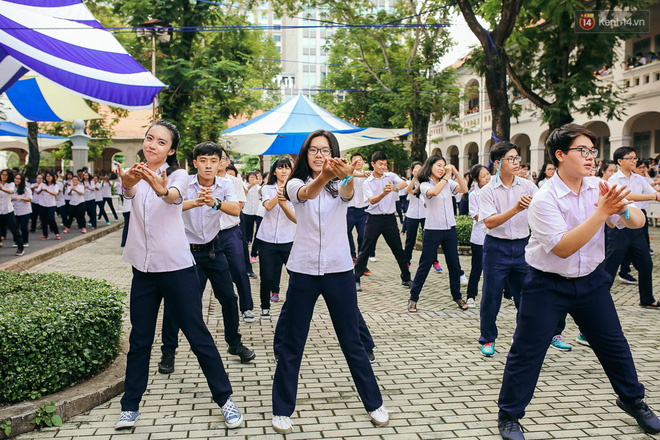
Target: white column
<point>79,149</point>
<point>536,158</point>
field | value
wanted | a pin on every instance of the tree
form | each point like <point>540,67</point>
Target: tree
<point>32,165</point>
<point>501,15</point>
<point>391,68</point>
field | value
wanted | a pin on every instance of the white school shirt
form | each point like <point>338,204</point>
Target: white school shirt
<point>5,199</point>
<point>478,235</point>
<point>106,190</point>
<point>36,197</point>
<point>495,198</point>
<point>65,189</point>
<point>276,226</point>
<point>636,184</point>
<point>21,207</point>
<point>229,221</point>
<point>440,208</point>
<point>358,200</point>
<point>76,199</point>
<point>416,207</point>
<point>320,244</point>
<point>374,187</point>
<point>156,240</point>
<point>251,200</point>
<point>89,191</point>
<point>554,211</point>
<point>47,199</point>
<point>261,210</point>
<point>97,194</point>
<point>203,223</point>
<point>59,198</point>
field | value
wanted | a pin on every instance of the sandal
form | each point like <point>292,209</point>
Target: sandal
<point>412,306</point>
<point>652,305</point>
<point>461,304</point>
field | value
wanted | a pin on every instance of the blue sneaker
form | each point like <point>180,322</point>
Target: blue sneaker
<point>559,343</point>
<point>488,349</point>
<point>233,416</point>
<point>437,267</point>
<point>127,419</point>
<point>582,340</point>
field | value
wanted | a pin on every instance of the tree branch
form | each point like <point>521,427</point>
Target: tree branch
<point>364,60</point>
<point>526,91</point>
<point>466,9</point>
<point>413,52</point>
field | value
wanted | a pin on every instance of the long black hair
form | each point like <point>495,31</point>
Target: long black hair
<point>282,162</point>
<point>171,160</point>
<point>301,170</point>
<point>424,175</point>
<point>20,189</point>
<point>412,167</point>
<point>606,164</point>
<point>10,175</point>
<point>474,175</point>
<point>542,174</point>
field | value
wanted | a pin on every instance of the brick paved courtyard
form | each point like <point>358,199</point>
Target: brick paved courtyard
<point>435,383</point>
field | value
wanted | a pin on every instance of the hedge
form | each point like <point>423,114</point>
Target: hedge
<point>463,230</point>
<point>55,330</point>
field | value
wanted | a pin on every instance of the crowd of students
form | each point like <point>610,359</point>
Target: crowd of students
<point>301,215</point>
<point>26,205</point>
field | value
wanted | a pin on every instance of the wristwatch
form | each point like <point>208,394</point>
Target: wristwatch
<point>162,196</point>
<point>218,204</point>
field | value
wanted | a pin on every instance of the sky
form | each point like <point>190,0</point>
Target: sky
<point>463,38</point>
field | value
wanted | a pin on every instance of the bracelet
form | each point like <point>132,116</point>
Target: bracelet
<point>625,214</point>
<point>163,195</point>
<point>656,197</point>
<point>346,179</point>
<point>217,204</point>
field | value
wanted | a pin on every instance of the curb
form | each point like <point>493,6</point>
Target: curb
<point>87,394</point>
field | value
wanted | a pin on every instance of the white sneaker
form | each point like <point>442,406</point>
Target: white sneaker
<point>470,303</point>
<point>380,417</point>
<point>372,259</point>
<point>265,313</point>
<point>464,280</point>
<point>248,316</point>
<point>282,424</point>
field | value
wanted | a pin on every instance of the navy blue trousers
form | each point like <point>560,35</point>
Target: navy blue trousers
<point>217,271</point>
<point>338,290</point>
<point>545,299</point>
<point>386,225</point>
<point>124,233</point>
<point>475,271</point>
<point>48,220</point>
<point>632,242</point>
<point>356,218</point>
<point>179,290</point>
<point>90,209</point>
<point>272,257</point>
<point>246,251</point>
<point>503,262</point>
<point>231,244</point>
<point>434,238</point>
<point>411,226</point>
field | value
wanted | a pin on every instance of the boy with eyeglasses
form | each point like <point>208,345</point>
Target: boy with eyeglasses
<point>632,242</point>
<point>564,253</point>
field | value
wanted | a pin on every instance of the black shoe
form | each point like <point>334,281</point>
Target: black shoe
<point>371,356</point>
<point>407,284</point>
<point>243,352</point>
<point>627,278</point>
<point>645,417</point>
<point>510,429</point>
<point>166,365</point>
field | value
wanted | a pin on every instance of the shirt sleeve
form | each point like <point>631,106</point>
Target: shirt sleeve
<point>267,193</point>
<point>396,179</point>
<point>547,223</point>
<point>229,192</point>
<point>424,188</point>
<point>292,188</point>
<point>240,191</point>
<point>487,206</point>
<point>474,204</point>
<point>367,190</point>
<point>179,179</point>
<point>452,186</point>
<point>646,187</point>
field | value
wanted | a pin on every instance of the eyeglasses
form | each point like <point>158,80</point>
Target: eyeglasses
<point>324,151</point>
<point>513,159</point>
<point>585,152</point>
<point>224,158</point>
<point>634,159</point>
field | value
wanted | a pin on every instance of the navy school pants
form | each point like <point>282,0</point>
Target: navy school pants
<point>412,226</point>
<point>231,244</point>
<point>356,218</point>
<point>434,238</point>
<point>338,290</point>
<point>90,208</point>
<point>179,289</point>
<point>475,271</point>
<point>272,256</point>
<point>216,270</point>
<point>545,299</point>
<point>386,225</point>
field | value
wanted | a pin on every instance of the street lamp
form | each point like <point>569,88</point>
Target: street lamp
<point>154,28</point>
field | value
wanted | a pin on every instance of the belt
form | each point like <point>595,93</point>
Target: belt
<point>204,247</point>
<point>556,275</point>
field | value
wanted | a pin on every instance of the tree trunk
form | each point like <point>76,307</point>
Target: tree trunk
<point>32,165</point>
<point>499,103</point>
<point>420,128</point>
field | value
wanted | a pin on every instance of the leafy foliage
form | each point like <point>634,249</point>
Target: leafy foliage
<point>54,330</point>
<point>46,416</point>
<point>6,427</point>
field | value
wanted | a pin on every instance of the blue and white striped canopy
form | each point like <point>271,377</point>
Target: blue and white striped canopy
<point>62,41</point>
<point>13,135</point>
<point>283,130</point>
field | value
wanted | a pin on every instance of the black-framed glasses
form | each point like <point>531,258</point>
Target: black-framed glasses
<point>326,151</point>
<point>513,159</point>
<point>634,159</point>
<point>585,152</point>
<point>224,159</point>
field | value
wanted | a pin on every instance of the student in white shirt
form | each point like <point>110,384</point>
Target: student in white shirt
<point>632,242</point>
<point>437,190</point>
<point>7,218</point>
<point>275,233</point>
<point>98,198</point>
<point>208,197</point>
<point>320,264</point>
<point>547,171</point>
<point>21,200</point>
<point>565,253</point>
<point>48,190</point>
<point>164,268</point>
<point>36,202</point>
<point>90,199</point>
<point>65,191</point>
<point>106,196</point>
<point>76,192</point>
<point>479,177</point>
<point>416,213</point>
<point>251,205</point>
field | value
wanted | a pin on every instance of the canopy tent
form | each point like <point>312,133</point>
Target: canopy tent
<point>61,40</point>
<point>15,136</point>
<point>38,99</point>
<point>283,129</point>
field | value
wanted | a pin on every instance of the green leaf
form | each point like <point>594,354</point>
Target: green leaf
<point>57,420</point>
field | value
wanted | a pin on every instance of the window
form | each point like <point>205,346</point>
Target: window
<point>642,143</point>
<point>643,46</point>
<point>277,37</point>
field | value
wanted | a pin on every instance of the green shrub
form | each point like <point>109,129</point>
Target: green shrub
<point>54,331</point>
<point>463,230</point>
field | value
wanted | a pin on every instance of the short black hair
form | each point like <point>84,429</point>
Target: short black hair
<point>207,149</point>
<point>499,150</point>
<point>378,155</point>
<point>354,155</point>
<point>620,152</point>
<point>562,138</point>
